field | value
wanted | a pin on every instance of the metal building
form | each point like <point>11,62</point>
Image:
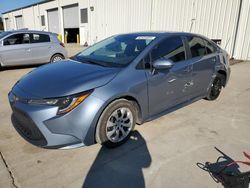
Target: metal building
<point>227,21</point>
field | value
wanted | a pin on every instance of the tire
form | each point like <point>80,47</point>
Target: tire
<point>117,116</point>
<point>56,57</point>
<point>215,88</point>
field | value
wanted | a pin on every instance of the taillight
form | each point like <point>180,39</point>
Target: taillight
<point>62,44</point>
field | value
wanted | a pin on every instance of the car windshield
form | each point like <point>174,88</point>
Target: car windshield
<point>116,51</point>
<point>3,34</point>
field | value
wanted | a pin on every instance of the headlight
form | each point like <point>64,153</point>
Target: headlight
<point>64,104</point>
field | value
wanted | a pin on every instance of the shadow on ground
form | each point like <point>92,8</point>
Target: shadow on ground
<point>120,167</point>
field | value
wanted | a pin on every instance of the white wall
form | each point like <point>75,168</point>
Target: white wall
<point>242,46</point>
<point>119,16</point>
<point>28,18</point>
<point>212,18</point>
<point>216,19</point>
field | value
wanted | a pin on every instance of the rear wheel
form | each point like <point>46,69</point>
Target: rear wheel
<point>116,123</point>
<point>215,88</point>
<point>56,57</point>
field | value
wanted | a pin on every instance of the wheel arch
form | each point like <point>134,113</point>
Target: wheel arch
<point>137,105</point>
<point>126,97</point>
<point>57,53</point>
<point>224,74</point>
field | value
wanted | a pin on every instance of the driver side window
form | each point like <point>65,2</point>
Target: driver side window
<point>171,48</point>
<point>17,39</point>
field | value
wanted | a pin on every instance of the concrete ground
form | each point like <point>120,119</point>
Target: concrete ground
<point>73,49</point>
<point>161,153</point>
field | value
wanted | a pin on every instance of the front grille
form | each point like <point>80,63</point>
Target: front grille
<point>27,128</point>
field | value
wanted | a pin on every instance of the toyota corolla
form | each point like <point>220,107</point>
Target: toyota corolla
<point>100,94</point>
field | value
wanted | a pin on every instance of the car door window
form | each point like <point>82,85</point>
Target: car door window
<point>22,38</point>
<point>197,46</point>
<point>40,38</point>
<point>210,48</point>
<point>171,48</point>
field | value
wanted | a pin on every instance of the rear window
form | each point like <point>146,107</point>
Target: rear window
<point>197,46</point>
<point>38,38</point>
<point>210,48</point>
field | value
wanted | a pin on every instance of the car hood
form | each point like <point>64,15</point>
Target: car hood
<point>62,79</point>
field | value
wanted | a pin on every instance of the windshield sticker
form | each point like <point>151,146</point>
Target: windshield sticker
<point>145,38</point>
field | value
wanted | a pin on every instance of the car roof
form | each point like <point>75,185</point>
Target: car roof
<point>163,33</point>
<point>29,31</point>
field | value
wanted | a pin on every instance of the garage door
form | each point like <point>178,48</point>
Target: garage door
<point>71,16</point>
<point>53,20</point>
<point>19,22</point>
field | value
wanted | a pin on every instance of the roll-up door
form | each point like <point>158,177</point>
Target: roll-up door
<point>53,20</point>
<point>71,16</point>
<point>19,22</point>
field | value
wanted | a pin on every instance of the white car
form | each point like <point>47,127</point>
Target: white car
<point>26,47</point>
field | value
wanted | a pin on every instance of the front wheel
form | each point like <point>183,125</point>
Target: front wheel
<point>215,88</point>
<point>116,123</point>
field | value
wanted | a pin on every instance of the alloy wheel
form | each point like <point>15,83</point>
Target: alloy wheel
<point>57,58</point>
<point>119,124</point>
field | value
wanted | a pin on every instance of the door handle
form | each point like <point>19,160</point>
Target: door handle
<point>214,59</point>
<point>172,80</point>
<point>28,49</point>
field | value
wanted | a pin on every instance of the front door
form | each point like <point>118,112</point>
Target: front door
<point>170,87</point>
<point>16,50</point>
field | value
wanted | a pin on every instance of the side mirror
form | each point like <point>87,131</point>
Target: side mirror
<point>163,64</point>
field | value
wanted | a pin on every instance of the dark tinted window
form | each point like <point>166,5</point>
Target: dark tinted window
<point>210,47</point>
<point>197,46</point>
<point>17,39</point>
<point>84,15</point>
<point>37,38</point>
<point>172,48</point>
<point>42,20</point>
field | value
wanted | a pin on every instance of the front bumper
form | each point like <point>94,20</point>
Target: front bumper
<point>40,126</point>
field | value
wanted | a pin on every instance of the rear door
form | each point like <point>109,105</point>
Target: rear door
<point>41,48</point>
<point>204,57</point>
<point>168,88</point>
<point>16,50</point>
